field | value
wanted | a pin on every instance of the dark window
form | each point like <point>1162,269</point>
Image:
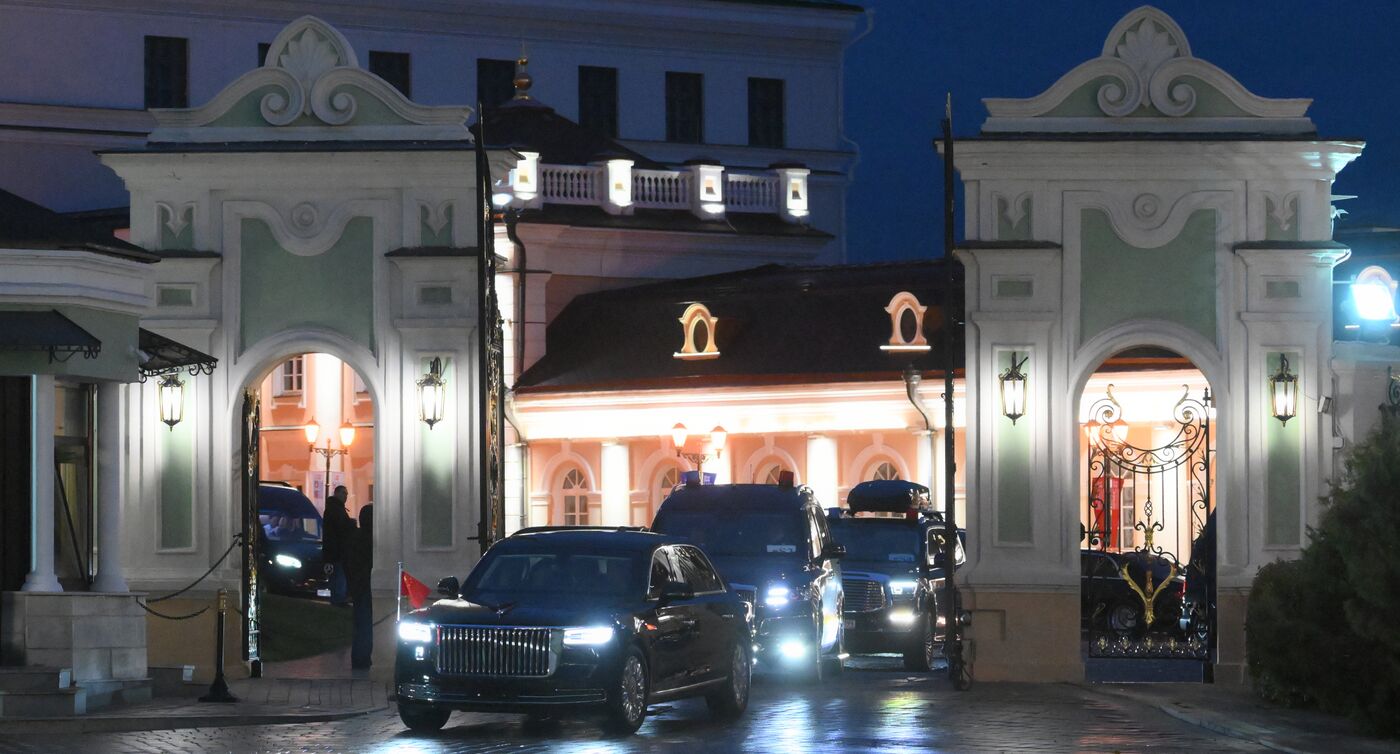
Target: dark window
<point>167,72</point>
<point>393,67</point>
<point>597,99</point>
<point>766,128</point>
<point>696,570</point>
<point>685,107</point>
<point>495,81</point>
<point>663,570</point>
<point>263,47</point>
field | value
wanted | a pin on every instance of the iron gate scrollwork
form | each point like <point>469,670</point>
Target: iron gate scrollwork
<point>1148,534</point>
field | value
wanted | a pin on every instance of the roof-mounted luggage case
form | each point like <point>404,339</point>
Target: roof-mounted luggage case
<point>888,496</point>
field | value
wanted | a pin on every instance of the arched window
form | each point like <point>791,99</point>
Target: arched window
<point>769,473</point>
<point>573,498</point>
<point>665,482</point>
<point>698,331</point>
<point>906,324</point>
<point>882,470</point>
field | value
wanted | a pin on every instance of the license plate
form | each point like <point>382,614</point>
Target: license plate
<point>323,592</point>
<point>848,623</point>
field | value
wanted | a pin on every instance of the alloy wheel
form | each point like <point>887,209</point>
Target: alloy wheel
<point>739,675</point>
<point>633,689</point>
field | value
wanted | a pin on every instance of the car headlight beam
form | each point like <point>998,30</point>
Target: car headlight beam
<point>902,617</point>
<point>777,595</point>
<point>588,636</point>
<point>287,561</point>
<point>413,631</point>
<point>901,588</point>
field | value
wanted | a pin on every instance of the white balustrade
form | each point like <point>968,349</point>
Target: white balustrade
<point>660,189</point>
<point>751,193</point>
<point>571,184</point>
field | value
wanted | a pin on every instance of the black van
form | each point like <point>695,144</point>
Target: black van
<point>771,544</point>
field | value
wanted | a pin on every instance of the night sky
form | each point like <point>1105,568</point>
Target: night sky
<point>1345,56</point>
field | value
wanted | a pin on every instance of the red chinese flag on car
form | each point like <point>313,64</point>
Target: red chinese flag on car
<point>416,591</point>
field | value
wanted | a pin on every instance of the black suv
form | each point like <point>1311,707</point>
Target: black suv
<point>574,621</point>
<point>1110,604</point>
<point>893,574</point>
<point>772,545</point>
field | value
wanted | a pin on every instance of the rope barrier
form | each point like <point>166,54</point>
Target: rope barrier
<point>194,614</point>
<point>237,538</point>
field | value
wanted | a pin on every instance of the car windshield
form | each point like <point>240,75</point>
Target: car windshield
<point>878,541</point>
<point>280,527</point>
<point>512,575</point>
<point>730,533</point>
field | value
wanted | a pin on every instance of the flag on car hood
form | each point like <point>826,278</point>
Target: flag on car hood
<point>416,591</point>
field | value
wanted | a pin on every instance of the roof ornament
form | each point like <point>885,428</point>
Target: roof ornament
<point>522,80</point>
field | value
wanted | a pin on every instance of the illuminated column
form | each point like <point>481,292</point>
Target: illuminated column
<point>326,407</point>
<point>616,485</point>
<point>792,182</point>
<point>923,448</point>
<point>706,190</point>
<point>515,487</point>
<point>109,489</point>
<point>42,397</point>
<point>822,469</point>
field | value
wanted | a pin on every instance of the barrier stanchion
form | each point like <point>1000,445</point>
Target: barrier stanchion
<point>218,690</point>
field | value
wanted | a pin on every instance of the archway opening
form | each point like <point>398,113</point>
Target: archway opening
<point>1146,515</point>
<point>317,421</point>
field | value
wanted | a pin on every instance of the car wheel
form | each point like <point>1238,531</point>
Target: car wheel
<point>1124,618</point>
<point>731,701</point>
<point>835,665</point>
<point>919,656</point>
<point>423,718</point>
<point>627,704</point>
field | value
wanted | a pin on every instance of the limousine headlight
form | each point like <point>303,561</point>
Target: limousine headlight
<point>588,636</point>
<point>413,631</point>
<point>287,561</point>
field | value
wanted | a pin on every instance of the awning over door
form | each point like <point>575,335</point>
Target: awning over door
<point>161,355</point>
<point>51,331</point>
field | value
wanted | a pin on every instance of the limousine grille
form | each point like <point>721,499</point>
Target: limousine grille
<point>863,595</point>
<point>494,651</point>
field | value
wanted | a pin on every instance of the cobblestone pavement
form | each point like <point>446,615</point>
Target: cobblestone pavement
<point>869,709</point>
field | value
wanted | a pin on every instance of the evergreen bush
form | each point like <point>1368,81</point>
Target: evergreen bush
<point>1324,630</point>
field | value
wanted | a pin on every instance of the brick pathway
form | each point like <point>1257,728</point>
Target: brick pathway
<point>875,709</point>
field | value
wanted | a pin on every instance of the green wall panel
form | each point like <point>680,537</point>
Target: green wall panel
<point>331,291</point>
<point>1284,475</point>
<point>1120,282</point>
<point>435,484</point>
<point>177,477</point>
<point>1013,462</point>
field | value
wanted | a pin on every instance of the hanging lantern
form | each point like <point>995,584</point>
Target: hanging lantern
<point>1013,390</point>
<point>172,400</point>
<point>432,394</point>
<point>1283,390</point>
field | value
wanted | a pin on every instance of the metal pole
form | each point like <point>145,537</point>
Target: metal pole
<point>218,690</point>
<point>952,628</point>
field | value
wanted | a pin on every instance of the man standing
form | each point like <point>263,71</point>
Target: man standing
<point>335,544</point>
<point>359,563</point>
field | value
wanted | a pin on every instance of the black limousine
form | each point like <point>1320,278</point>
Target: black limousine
<point>577,621</point>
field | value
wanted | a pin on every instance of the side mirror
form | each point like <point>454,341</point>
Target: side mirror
<point>449,587</point>
<point>675,590</point>
<point>834,552</point>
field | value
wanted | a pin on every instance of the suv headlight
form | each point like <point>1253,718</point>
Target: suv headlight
<point>287,561</point>
<point>413,631</point>
<point>777,595</point>
<point>903,588</point>
<point>588,636</point>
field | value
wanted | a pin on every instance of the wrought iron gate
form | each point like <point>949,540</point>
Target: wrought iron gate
<point>1148,558</point>
<point>252,529</point>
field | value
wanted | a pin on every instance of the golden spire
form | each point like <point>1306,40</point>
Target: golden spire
<point>522,75</point>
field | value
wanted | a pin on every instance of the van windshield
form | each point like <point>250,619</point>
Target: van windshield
<point>878,541</point>
<point>729,532</point>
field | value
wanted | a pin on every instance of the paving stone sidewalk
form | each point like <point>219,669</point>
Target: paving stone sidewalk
<point>264,701</point>
<point>1237,712</point>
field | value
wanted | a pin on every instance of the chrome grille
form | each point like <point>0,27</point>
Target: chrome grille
<point>863,595</point>
<point>493,651</point>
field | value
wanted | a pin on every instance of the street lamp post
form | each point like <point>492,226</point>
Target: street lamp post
<point>347,437</point>
<point>718,436</point>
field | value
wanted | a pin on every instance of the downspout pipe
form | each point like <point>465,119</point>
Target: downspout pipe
<point>911,389</point>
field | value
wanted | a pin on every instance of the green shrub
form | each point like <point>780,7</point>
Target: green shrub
<point>1324,630</point>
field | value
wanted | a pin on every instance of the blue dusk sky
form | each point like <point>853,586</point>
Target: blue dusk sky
<point>1344,56</point>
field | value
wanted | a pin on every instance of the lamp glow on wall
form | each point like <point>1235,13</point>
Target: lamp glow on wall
<point>1283,391</point>
<point>171,393</point>
<point>1013,389</point>
<point>718,437</point>
<point>432,394</point>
